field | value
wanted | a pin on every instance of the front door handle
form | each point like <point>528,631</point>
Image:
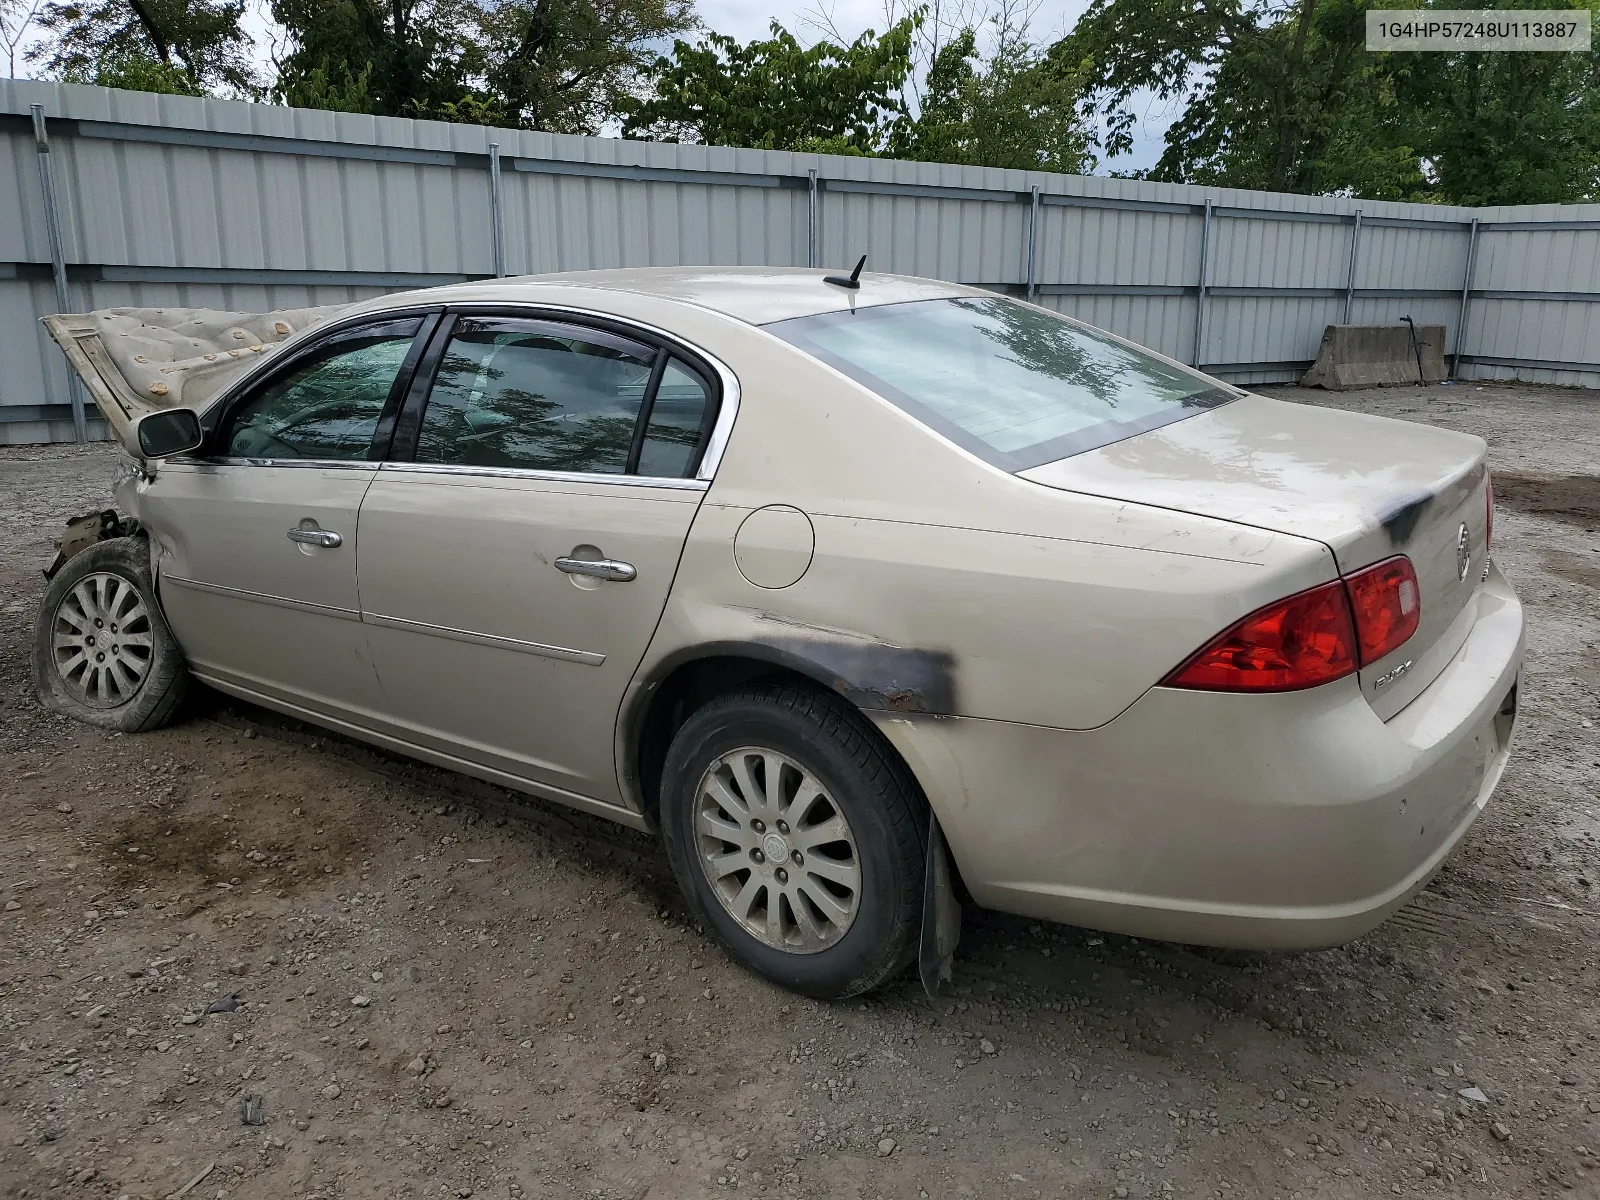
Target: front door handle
<point>316,537</point>
<point>604,568</point>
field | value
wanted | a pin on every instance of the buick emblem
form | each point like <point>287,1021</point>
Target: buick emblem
<point>1463,553</point>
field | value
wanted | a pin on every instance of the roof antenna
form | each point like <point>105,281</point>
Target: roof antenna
<point>854,280</point>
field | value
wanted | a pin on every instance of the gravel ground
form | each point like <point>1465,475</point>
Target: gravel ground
<point>442,991</point>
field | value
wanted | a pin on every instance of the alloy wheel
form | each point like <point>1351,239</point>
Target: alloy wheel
<point>101,640</point>
<point>777,850</point>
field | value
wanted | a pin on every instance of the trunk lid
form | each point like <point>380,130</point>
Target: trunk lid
<point>137,360</point>
<point>1367,487</point>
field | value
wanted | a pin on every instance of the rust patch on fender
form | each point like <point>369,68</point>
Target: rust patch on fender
<point>879,675</point>
<point>869,672</point>
<point>904,701</point>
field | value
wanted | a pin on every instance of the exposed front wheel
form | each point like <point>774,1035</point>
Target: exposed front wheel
<point>101,650</point>
<point>797,837</point>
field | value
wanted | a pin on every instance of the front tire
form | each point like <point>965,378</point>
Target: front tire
<point>102,652</point>
<point>797,837</point>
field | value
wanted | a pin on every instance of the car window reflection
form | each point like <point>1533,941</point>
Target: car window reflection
<point>535,399</point>
<point>327,408</point>
<point>1014,384</point>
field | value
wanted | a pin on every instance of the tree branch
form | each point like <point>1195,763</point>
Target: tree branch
<point>153,30</point>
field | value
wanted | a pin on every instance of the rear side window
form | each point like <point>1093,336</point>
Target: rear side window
<point>543,395</point>
<point>535,395</point>
<point>677,420</point>
<point>1014,384</point>
<point>326,406</point>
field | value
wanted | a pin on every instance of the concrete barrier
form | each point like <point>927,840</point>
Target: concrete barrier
<point>1359,356</point>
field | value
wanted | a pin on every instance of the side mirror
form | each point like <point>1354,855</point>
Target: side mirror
<point>165,433</point>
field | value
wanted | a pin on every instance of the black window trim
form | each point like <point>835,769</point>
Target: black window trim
<point>641,421</point>
<point>408,424</point>
<point>665,356</point>
<point>216,417</point>
<point>403,447</point>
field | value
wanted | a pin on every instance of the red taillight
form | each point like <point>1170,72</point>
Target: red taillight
<point>1488,511</point>
<point>1387,606</point>
<point>1312,637</point>
<point>1298,642</point>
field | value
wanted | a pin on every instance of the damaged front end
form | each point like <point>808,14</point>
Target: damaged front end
<point>83,532</point>
<point>139,360</point>
<point>136,361</point>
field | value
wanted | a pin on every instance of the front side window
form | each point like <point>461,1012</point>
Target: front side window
<point>328,406</point>
<point>536,395</point>
<point>1015,385</point>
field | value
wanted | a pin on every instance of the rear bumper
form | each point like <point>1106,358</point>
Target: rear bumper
<point>1273,822</point>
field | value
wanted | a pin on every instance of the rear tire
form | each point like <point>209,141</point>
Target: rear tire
<point>102,652</point>
<point>779,772</point>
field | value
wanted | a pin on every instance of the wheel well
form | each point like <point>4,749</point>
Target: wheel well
<point>676,699</point>
<point>88,530</point>
<point>690,686</point>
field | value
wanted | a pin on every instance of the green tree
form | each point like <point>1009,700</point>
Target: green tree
<point>395,58</point>
<point>1265,85</point>
<point>1506,128</point>
<point>1009,110</point>
<point>922,90</point>
<point>559,65</point>
<point>776,94</point>
<point>138,72</point>
<point>1283,95</point>
<point>569,65</point>
<point>195,46</point>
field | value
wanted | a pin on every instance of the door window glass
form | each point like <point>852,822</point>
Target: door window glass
<point>535,395</point>
<point>672,438</point>
<point>327,407</point>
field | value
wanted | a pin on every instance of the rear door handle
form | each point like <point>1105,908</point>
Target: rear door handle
<point>316,537</point>
<point>604,568</point>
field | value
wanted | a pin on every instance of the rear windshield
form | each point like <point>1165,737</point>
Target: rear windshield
<point>1014,384</point>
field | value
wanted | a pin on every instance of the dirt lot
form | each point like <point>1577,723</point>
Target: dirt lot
<point>444,992</point>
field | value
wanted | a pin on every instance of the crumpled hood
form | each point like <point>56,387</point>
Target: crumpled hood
<point>134,360</point>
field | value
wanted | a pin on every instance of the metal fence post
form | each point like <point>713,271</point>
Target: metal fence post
<point>811,218</point>
<point>494,211</point>
<point>58,258</point>
<point>1466,297</point>
<point>1033,242</point>
<point>1200,308</point>
<point>1350,282</point>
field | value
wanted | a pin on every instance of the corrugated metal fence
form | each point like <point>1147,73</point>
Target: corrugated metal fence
<point>173,200</point>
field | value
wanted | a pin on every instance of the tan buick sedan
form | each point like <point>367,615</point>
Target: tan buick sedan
<point>868,596</point>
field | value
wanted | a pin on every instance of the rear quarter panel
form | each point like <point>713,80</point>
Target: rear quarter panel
<point>911,617</point>
<point>940,584</point>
